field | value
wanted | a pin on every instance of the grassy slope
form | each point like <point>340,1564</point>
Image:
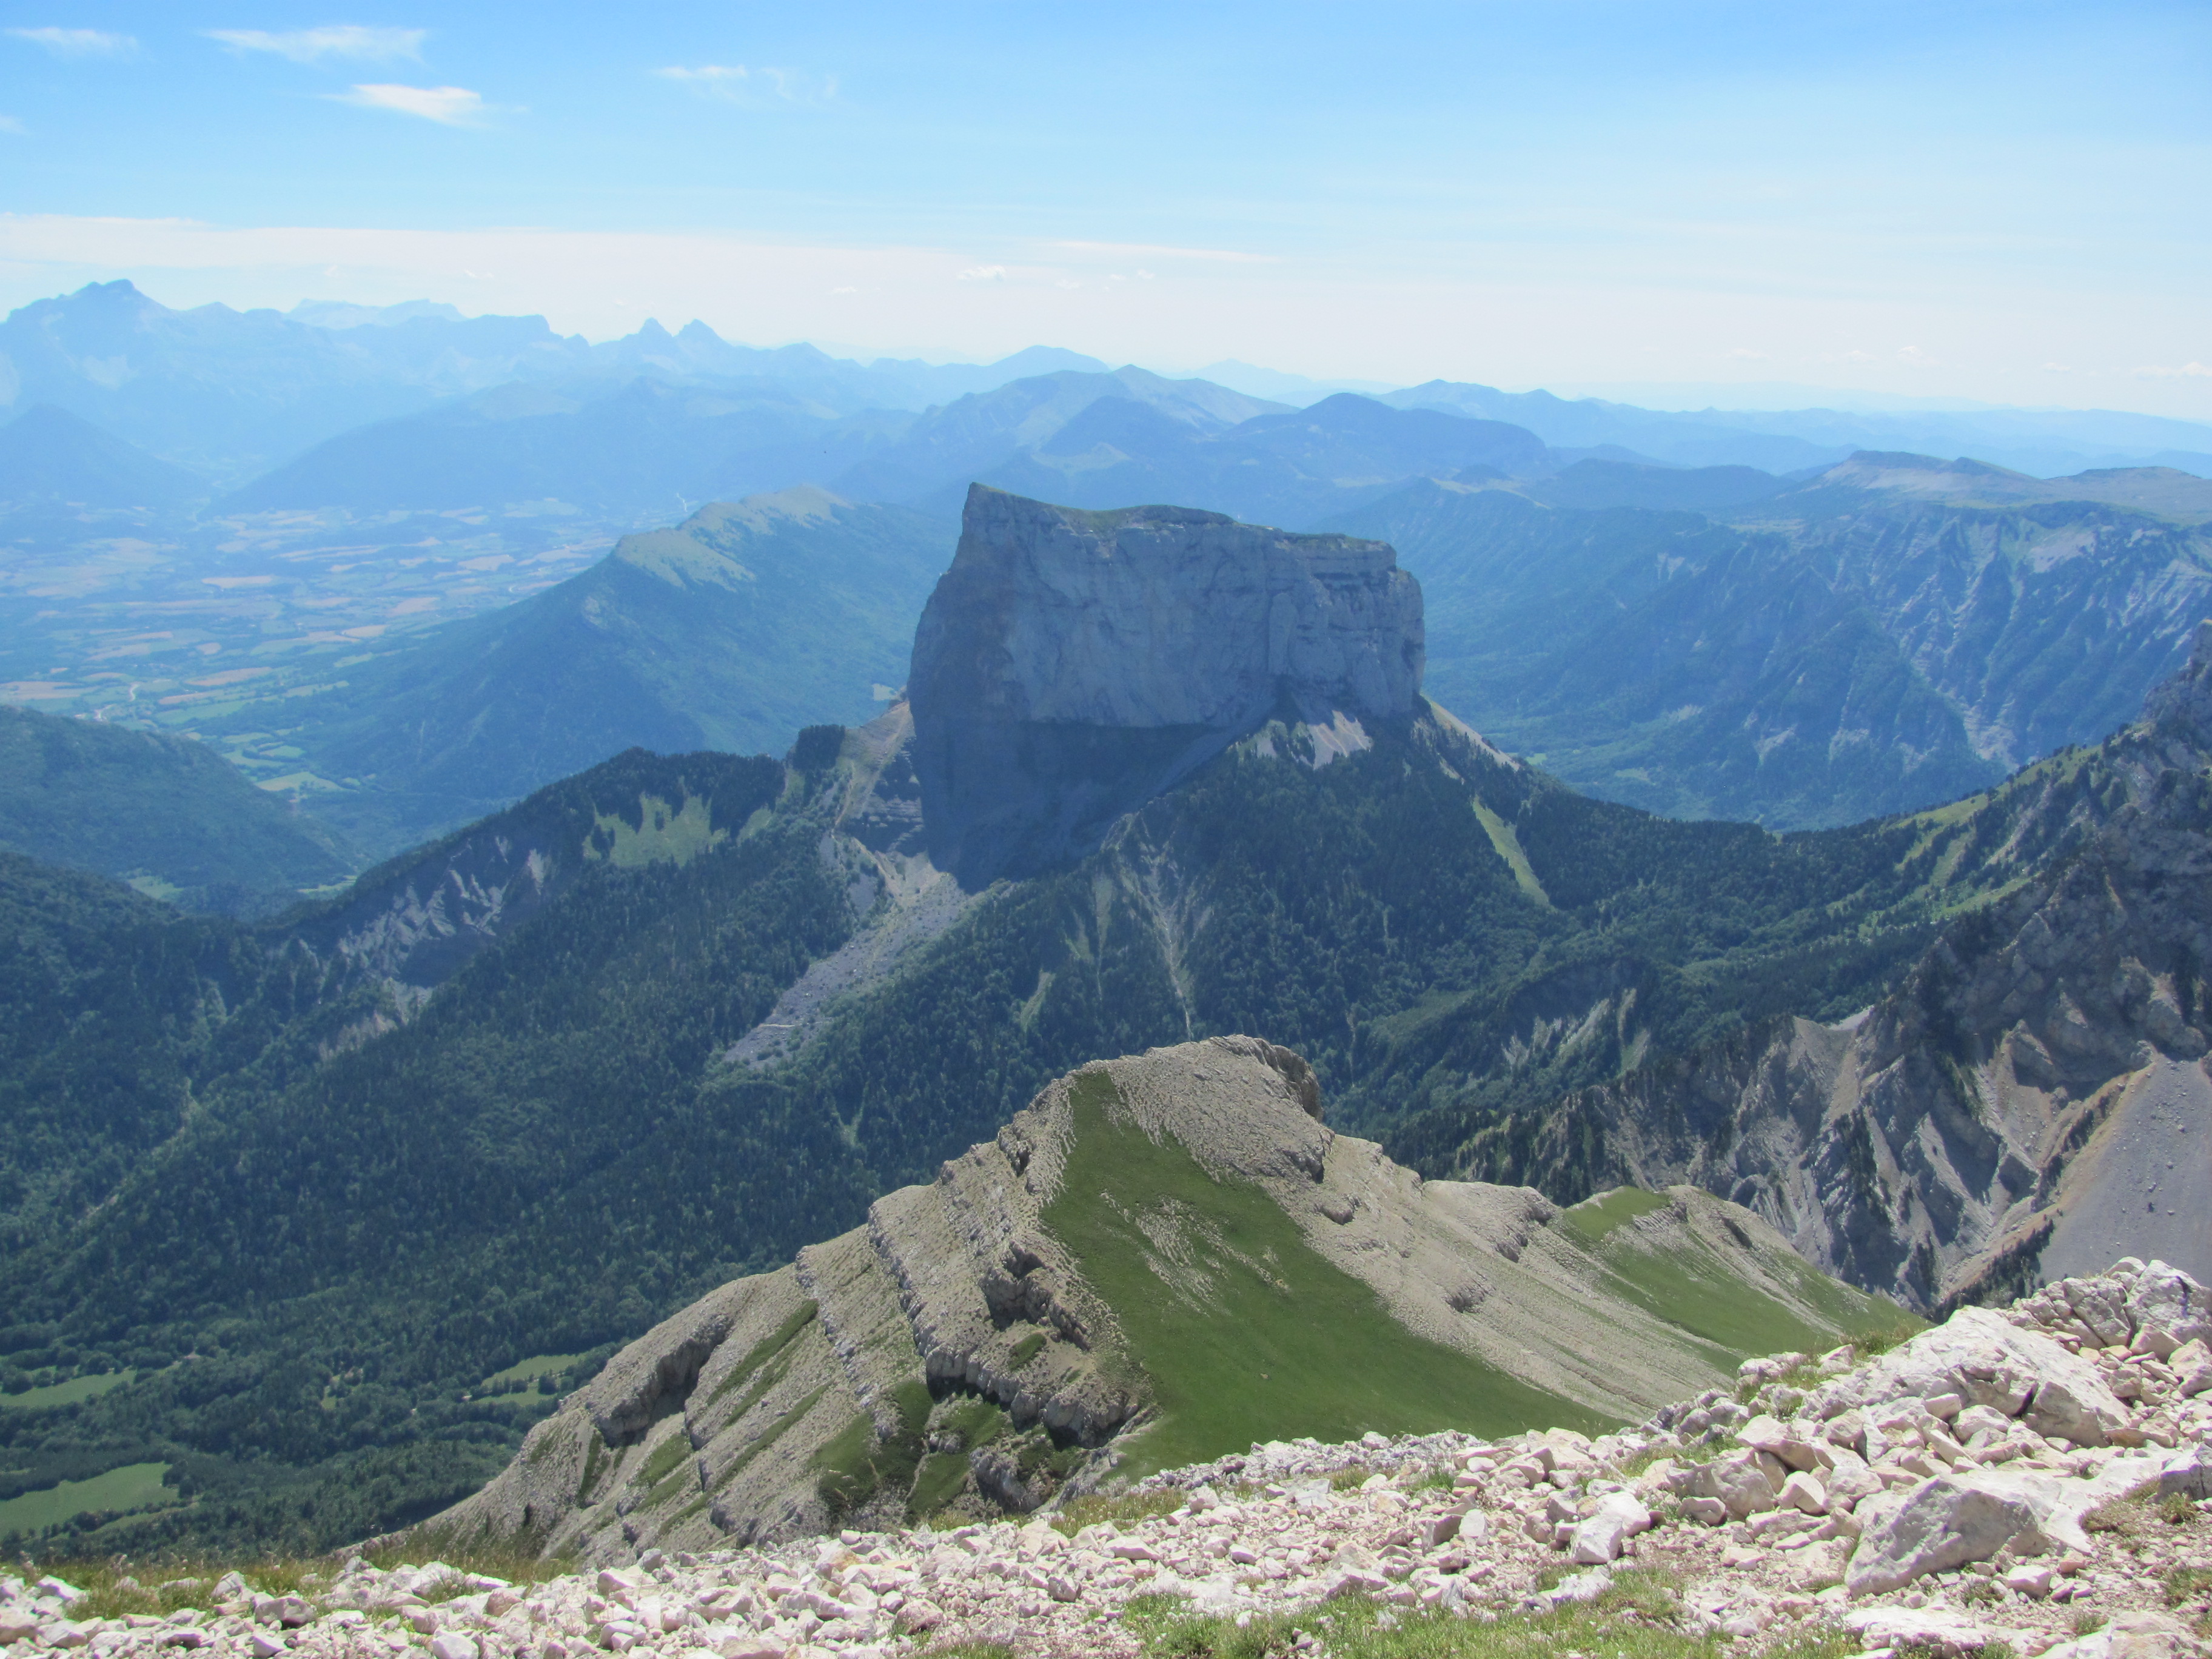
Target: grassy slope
<point>1693,1287</point>
<point>1279,1342</point>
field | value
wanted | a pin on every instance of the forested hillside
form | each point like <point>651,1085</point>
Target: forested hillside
<point>170,815</point>
<point>318,1223</point>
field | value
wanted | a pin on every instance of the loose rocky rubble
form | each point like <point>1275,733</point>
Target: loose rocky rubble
<point>1952,1493</point>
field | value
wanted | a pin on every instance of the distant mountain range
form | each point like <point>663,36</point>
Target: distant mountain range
<point>1782,440</point>
<point>1824,637</point>
<point>231,395</point>
<point>636,443</point>
<point>228,394</point>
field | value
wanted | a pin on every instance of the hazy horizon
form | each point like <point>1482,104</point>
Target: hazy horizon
<point>1984,202</point>
<point>1255,378</point>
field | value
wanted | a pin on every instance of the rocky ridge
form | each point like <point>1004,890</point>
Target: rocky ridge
<point>962,1347</point>
<point>2028,1100</point>
<point>1072,664</point>
<point>2039,1478</point>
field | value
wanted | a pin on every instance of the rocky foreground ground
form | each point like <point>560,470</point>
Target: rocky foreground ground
<point>2039,1478</point>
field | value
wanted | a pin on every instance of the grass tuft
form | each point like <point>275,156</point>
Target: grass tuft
<point>1631,1622</point>
<point>1119,1508</point>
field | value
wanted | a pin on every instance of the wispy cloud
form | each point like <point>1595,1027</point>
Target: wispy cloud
<point>983,274</point>
<point>9,124</point>
<point>708,78</point>
<point>758,85</point>
<point>450,107</point>
<point>1149,250</point>
<point>79,43</point>
<point>2174,372</point>
<point>1746,355</point>
<point>350,41</point>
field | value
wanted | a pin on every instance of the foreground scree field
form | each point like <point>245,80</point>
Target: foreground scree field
<point>2003,1484</point>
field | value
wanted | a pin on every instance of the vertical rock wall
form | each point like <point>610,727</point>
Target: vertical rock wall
<point>1071,665</point>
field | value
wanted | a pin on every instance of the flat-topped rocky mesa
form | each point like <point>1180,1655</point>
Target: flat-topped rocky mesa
<point>1072,664</point>
<point>1165,1257</point>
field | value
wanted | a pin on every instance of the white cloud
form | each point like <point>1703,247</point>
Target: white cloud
<point>9,124</point>
<point>353,41</point>
<point>451,106</point>
<point>79,43</point>
<point>2176,372</point>
<point>2058,368</point>
<point>709,77</point>
<point>1746,355</point>
<point>846,287</point>
<point>1856,357</point>
<point>984,274</point>
<point>734,83</point>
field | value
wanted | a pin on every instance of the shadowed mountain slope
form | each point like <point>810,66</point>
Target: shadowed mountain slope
<point>167,813</point>
<point>732,630</point>
<point>1893,633</point>
<point>1070,665</point>
<point>49,455</point>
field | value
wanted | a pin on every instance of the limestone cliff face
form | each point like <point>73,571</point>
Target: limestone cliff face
<point>1071,665</point>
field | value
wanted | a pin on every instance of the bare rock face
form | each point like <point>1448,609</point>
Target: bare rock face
<point>1072,664</point>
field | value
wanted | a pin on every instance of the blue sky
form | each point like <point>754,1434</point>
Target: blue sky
<point>1999,201</point>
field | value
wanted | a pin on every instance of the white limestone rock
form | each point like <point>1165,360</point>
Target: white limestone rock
<point>1942,1523</point>
<point>1986,1360</point>
<point>1598,1540</point>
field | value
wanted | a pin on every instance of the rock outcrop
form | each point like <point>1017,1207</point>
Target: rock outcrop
<point>982,1341</point>
<point>1072,664</point>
